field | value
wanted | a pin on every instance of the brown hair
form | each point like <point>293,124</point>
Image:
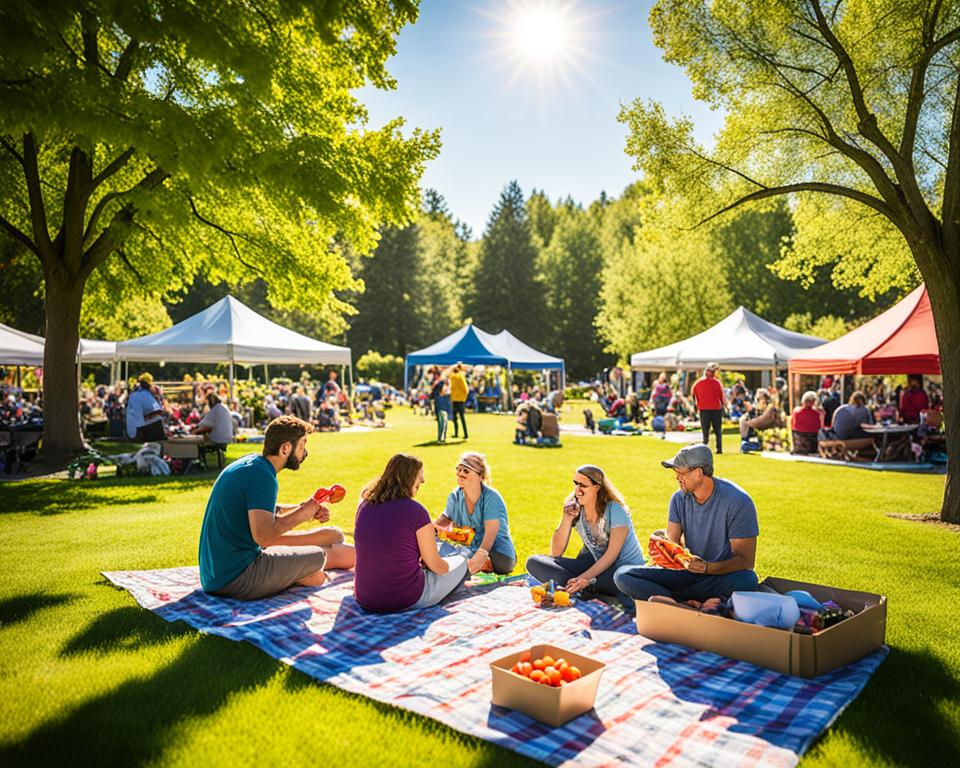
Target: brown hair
<point>396,482</point>
<point>284,429</point>
<point>606,491</point>
<point>857,398</point>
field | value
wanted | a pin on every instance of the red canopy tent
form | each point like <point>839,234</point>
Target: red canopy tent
<point>901,340</point>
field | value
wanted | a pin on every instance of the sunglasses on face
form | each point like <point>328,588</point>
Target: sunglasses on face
<point>584,486</point>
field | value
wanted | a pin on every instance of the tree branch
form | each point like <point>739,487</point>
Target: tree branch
<point>38,212</point>
<point>17,234</point>
<point>89,28</point>
<point>123,257</point>
<point>810,186</point>
<point>951,182</point>
<point>230,235</point>
<point>126,60</point>
<point>917,80</point>
<point>112,167</point>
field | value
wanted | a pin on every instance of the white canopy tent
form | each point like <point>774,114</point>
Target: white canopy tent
<point>22,348</point>
<point>742,341</point>
<point>230,332</point>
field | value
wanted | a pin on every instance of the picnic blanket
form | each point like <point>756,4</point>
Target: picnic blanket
<point>658,704</point>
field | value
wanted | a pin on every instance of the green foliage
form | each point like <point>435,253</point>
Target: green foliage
<point>827,327</point>
<point>507,292</point>
<point>385,368</point>
<point>571,268</point>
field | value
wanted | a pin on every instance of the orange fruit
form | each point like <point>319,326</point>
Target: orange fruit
<point>554,674</point>
<point>525,668</point>
<point>525,656</point>
<point>561,663</point>
<point>548,661</point>
<point>538,664</point>
<point>537,675</point>
<point>515,669</point>
<point>570,674</point>
<point>544,680</point>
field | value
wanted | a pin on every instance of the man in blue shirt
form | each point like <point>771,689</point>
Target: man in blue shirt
<point>718,523</point>
<point>248,548</point>
<point>143,414</point>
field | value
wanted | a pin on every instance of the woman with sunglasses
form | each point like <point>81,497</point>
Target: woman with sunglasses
<point>474,504</point>
<point>598,512</point>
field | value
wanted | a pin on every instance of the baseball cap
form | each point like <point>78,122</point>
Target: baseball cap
<point>692,457</point>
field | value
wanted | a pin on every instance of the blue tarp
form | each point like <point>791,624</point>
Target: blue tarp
<point>472,346</point>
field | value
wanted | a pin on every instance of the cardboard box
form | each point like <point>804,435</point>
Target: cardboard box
<point>788,652</point>
<point>553,706</point>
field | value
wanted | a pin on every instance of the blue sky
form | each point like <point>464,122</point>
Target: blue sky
<point>529,90</point>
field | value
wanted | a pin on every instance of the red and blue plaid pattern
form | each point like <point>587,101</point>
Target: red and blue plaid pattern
<point>658,704</point>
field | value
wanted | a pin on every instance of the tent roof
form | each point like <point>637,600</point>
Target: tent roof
<point>741,340</point>
<point>229,331</point>
<point>473,346</point>
<point>901,340</point>
<point>20,348</point>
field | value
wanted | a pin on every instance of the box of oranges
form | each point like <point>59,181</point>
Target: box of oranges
<point>547,683</point>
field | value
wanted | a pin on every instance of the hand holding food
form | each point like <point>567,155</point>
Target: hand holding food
<point>666,553</point>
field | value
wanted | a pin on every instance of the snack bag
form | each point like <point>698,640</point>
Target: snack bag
<point>665,553</point>
<point>456,534</point>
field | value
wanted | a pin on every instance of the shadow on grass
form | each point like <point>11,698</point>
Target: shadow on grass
<point>22,607</point>
<point>130,725</point>
<point>55,497</point>
<point>903,715</point>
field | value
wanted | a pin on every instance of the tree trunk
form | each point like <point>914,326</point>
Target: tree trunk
<point>62,437</point>
<point>945,302</point>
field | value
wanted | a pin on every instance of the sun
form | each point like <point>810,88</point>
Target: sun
<point>541,33</point>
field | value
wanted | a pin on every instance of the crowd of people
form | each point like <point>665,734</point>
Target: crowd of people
<point>248,549</point>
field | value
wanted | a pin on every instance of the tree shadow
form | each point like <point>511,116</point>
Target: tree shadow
<point>903,716</point>
<point>55,497</point>
<point>130,724</point>
<point>22,607</point>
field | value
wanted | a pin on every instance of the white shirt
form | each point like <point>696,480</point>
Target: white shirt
<point>220,422</point>
<point>139,404</point>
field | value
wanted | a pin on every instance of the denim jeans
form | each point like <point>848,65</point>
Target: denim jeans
<point>562,569</point>
<point>642,582</point>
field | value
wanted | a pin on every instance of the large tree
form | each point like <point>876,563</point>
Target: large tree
<point>162,139</point>
<point>854,101</point>
<point>506,292</point>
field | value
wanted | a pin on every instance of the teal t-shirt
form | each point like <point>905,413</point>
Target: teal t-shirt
<point>490,506</point>
<point>614,516</point>
<point>226,544</point>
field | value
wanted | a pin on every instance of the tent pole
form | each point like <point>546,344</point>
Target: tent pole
<point>19,385</point>
<point>509,386</point>
<point>231,383</point>
<point>266,375</point>
<point>406,374</point>
<point>126,372</point>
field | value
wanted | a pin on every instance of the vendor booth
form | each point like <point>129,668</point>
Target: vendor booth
<point>230,332</point>
<point>472,346</point>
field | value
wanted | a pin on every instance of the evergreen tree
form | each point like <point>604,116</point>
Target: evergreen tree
<point>506,292</point>
<point>543,218</point>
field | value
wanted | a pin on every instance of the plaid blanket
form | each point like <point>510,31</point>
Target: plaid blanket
<point>658,704</point>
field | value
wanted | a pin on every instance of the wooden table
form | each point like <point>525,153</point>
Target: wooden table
<point>884,431</point>
<point>192,447</point>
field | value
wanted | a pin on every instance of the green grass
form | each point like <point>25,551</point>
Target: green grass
<point>87,677</point>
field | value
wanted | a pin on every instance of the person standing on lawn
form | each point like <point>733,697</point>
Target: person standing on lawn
<point>248,548</point>
<point>474,504</point>
<point>717,521</point>
<point>708,395</point>
<point>458,398</point>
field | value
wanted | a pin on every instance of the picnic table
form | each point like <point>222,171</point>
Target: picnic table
<point>884,431</point>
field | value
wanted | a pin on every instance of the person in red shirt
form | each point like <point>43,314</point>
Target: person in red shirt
<point>708,395</point>
<point>913,400</point>
<point>805,423</point>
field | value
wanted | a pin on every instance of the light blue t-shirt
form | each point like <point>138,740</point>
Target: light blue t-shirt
<point>139,404</point>
<point>614,516</point>
<point>226,544</point>
<point>490,506</point>
<point>729,513</point>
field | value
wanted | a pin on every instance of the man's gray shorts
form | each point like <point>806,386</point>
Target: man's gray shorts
<point>274,570</point>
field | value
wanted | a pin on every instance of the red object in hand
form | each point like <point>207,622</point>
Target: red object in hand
<point>330,495</point>
<point>666,553</point>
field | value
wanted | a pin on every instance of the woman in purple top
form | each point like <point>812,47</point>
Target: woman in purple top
<point>398,565</point>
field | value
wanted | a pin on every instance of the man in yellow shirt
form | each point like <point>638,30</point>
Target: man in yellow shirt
<point>458,398</point>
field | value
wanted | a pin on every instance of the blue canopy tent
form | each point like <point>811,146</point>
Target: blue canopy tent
<point>472,346</point>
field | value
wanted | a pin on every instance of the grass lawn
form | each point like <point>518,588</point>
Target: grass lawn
<point>87,677</point>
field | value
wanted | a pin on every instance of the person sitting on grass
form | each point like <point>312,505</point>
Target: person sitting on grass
<point>598,512</point>
<point>474,504</point>
<point>248,548</point>
<point>717,521</point>
<point>399,566</point>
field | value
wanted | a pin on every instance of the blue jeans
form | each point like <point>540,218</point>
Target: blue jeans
<point>642,582</point>
<point>562,569</point>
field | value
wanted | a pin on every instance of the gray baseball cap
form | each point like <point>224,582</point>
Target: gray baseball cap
<point>692,457</point>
